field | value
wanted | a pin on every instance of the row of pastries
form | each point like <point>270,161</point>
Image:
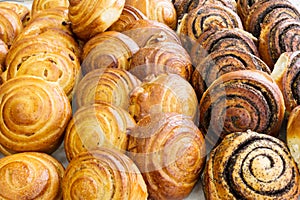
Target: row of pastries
<point>148,98</point>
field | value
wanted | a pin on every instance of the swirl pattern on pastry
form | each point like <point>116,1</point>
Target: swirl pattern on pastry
<point>169,149</point>
<point>97,125</point>
<point>108,49</point>
<point>30,175</point>
<point>184,6</point>
<point>244,8</point>
<point>251,165</point>
<point>3,53</point>
<point>103,174</point>
<point>89,18</point>
<point>39,5</point>
<point>161,58</point>
<point>34,114</point>
<point>241,100</point>
<point>21,10</point>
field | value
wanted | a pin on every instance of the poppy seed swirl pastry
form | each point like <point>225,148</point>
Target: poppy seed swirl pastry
<point>34,114</point>
<point>251,165</point>
<point>169,150</point>
<point>31,175</point>
<point>241,100</point>
<point>103,173</point>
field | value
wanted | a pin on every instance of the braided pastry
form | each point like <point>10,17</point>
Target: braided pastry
<point>250,165</point>
<point>89,18</point>
<point>103,174</point>
<point>170,151</point>
<point>241,100</point>
<point>31,175</point>
<point>34,114</point>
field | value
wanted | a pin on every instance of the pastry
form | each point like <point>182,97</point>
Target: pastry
<point>286,74</point>
<point>111,85</point>
<point>244,7</point>
<point>184,6</point>
<point>158,10</point>
<point>22,11</point>
<point>3,53</point>
<point>241,100</point>
<point>34,114</point>
<point>31,175</point>
<point>163,57</point>
<point>89,18</point>
<point>251,165</point>
<point>39,5</point>
<point>103,174</point>
<point>129,14</point>
<point>108,49</point>
<point>96,125</point>
<point>163,93</point>
<point>170,152</point>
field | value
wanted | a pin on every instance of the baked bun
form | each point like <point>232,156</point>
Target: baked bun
<point>251,165</point>
<point>170,151</point>
<point>163,93</point>
<point>22,11</point>
<point>103,174</point>
<point>34,114</point>
<point>92,17</point>
<point>31,175</point>
<point>111,85</point>
<point>241,100</point>
<point>97,125</point>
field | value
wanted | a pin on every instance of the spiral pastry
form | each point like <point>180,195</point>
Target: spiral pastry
<point>244,8</point>
<point>31,175</point>
<point>158,10</point>
<point>34,114</point>
<point>184,6</point>
<point>89,18</point>
<point>265,11</point>
<point>39,5</point>
<point>96,125</point>
<point>3,53</point>
<point>215,40</point>
<point>145,31</point>
<point>109,49</point>
<point>224,61</point>
<point>21,10</point>
<point>129,14</point>
<point>111,85</point>
<point>103,174</point>
<point>10,25</point>
<point>163,93</point>
<point>251,165</point>
<point>286,75</point>
<point>205,18</point>
<point>169,149</point>
<point>277,38</point>
<point>241,100</point>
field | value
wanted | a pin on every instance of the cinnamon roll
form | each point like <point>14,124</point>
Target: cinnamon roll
<point>169,149</point>
<point>103,174</point>
<point>96,125</point>
<point>38,5</point>
<point>108,49</point>
<point>163,93</point>
<point>241,100</point>
<point>89,18</point>
<point>34,114</point>
<point>204,18</point>
<point>165,57</point>
<point>145,31</point>
<point>129,14</point>
<point>21,10</point>
<point>31,175</point>
<point>251,165</point>
<point>158,10</point>
<point>286,75</point>
<point>111,85</point>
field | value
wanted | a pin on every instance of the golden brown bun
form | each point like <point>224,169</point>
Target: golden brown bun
<point>103,174</point>
<point>34,115</point>
<point>111,85</point>
<point>158,10</point>
<point>241,100</point>
<point>97,125</point>
<point>163,93</point>
<point>170,151</point>
<point>21,10</point>
<point>145,31</point>
<point>40,5</point>
<point>92,17</point>
<point>3,53</point>
<point>31,175</point>
<point>162,57</point>
<point>251,165</point>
